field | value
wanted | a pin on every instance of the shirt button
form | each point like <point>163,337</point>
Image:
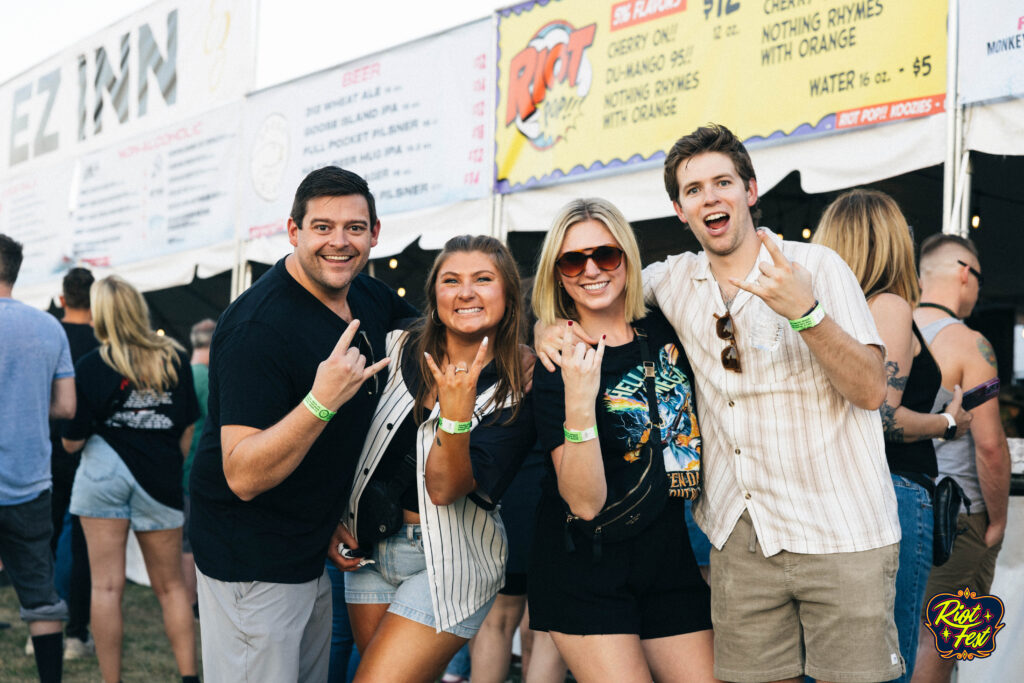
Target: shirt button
<point>390,425</point>
<point>732,403</point>
<point>366,471</point>
<point>737,451</point>
<point>747,496</point>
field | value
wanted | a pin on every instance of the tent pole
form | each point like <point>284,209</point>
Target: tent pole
<point>953,113</point>
<point>963,224</point>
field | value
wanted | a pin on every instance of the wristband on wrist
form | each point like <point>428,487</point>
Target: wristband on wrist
<point>453,427</point>
<point>317,408</point>
<point>809,319</point>
<point>574,436</point>
<point>951,429</point>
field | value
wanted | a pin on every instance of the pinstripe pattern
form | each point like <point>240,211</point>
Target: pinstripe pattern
<point>779,440</point>
<point>465,545</point>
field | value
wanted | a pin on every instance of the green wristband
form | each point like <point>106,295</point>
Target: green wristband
<point>453,427</point>
<point>813,317</point>
<point>574,436</point>
<point>317,408</point>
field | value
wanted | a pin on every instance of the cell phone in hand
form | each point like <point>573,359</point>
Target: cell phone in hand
<point>980,394</point>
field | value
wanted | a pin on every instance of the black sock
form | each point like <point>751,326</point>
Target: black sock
<point>190,679</point>
<point>49,656</point>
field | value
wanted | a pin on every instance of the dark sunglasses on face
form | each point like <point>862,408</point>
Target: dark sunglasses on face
<point>572,263</point>
<point>731,353</point>
<point>981,280</point>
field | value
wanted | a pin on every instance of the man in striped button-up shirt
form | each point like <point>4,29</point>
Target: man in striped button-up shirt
<point>798,500</point>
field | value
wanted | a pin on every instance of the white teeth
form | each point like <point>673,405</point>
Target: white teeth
<point>337,258</point>
<point>715,216</point>
<point>468,311</point>
<point>595,286</point>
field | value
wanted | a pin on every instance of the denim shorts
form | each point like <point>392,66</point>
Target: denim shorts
<point>399,576</point>
<point>105,488</point>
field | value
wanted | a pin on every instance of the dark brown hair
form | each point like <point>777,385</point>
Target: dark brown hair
<point>429,335</point>
<point>710,138</point>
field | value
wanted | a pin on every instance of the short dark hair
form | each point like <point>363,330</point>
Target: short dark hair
<point>934,242</point>
<point>710,138</point>
<point>76,287</point>
<point>330,181</point>
<point>11,255</point>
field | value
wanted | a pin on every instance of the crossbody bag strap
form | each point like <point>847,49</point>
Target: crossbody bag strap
<point>650,370</point>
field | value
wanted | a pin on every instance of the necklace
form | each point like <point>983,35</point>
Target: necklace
<point>951,314</point>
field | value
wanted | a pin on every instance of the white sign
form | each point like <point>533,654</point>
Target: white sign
<point>34,210</point>
<point>991,50</point>
<point>416,122</point>
<point>172,60</point>
<point>167,191</point>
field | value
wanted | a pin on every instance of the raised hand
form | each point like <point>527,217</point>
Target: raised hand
<point>581,371</point>
<point>340,375</point>
<point>456,385</point>
<point>547,341</point>
<point>784,285</point>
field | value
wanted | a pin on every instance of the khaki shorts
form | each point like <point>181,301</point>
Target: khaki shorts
<point>827,616</point>
<point>971,563</point>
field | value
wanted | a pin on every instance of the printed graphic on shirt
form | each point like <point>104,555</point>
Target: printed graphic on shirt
<point>626,405</point>
<point>965,625</point>
<point>137,411</point>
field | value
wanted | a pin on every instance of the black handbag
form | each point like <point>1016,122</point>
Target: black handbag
<point>380,509</point>
<point>645,497</point>
<point>946,502</point>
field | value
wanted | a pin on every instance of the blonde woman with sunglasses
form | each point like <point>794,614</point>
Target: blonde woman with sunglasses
<point>637,608</point>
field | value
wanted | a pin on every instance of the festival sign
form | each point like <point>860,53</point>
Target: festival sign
<point>991,50</point>
<point>35,210</point>
<point>169,61</point>
<point>587,86</point>
<point>414,121</point>
<point>160,193</point>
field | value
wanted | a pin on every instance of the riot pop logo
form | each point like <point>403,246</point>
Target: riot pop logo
<point>964,625</point>
<point>548,82</point>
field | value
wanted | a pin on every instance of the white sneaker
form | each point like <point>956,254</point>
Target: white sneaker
<point>76,648</point>
<point>30,649</point>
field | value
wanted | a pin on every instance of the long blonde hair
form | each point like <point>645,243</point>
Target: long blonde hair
<point>868,230</point>
<point>127,342</point>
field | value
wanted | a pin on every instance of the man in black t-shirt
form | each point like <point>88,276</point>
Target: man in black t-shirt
<point>77,324</point>
<point>275,463</point>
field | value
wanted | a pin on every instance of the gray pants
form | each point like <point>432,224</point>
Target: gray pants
<point>257,631</point>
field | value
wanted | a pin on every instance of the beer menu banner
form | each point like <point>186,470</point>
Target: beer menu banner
<point>991,50</point>
<point>585,86</point>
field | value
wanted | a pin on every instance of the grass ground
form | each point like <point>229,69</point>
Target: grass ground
<point>147,654</point>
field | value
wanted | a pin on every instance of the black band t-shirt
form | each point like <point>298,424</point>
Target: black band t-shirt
<point>143,427</point>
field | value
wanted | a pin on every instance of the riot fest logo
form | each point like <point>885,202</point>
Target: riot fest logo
<point>964,625</point>
<point>548,82</point>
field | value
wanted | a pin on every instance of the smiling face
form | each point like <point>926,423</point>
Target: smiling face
<point>333,245</point>
<point>715,204</point>
<point>594,290</point>
<point>470,294</point>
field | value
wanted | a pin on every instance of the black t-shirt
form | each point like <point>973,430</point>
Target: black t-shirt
<point>82,340</point>
<point>496,449</point>
<point>623,422</point>
<point>923,382</point>
<point>143,427</point>
<point>265,353</point>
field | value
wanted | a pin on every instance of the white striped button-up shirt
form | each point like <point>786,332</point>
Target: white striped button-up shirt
<point>779,440</point>
<point>465,545</point>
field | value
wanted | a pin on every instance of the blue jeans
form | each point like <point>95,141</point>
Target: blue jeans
<point>344,656</point>
<point>917,522</point>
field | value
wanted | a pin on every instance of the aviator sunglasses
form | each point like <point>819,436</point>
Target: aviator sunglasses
<point>572,263</point>
<point>731,353</point>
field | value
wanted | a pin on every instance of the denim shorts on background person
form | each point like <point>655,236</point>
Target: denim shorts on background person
<point>914,504</point>
<point>399,577</point>
<point>105,488</point>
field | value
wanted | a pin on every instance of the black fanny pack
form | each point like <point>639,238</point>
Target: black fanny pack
<point>946,507</point>
<point>380,507</point>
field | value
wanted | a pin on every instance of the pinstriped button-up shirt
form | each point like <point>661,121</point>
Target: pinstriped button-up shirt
<point>779,439</point>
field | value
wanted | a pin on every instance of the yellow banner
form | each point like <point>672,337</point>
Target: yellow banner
<point>590,85</point>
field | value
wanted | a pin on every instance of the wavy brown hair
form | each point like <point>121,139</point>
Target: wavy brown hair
<point>127,342</point>
<point>429,335</point>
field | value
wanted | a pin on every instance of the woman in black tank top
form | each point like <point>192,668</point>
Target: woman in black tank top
<point>869,231</point>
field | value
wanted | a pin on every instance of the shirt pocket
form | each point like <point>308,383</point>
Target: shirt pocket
<point>777,355</point>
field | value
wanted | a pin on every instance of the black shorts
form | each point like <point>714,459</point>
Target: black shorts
<point>648,585</point>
